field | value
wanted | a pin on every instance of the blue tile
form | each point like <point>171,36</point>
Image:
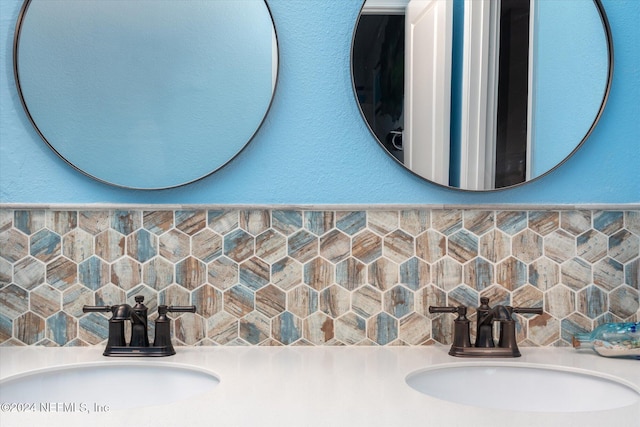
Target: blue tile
<point>28,221</point>
<point>608,222</point>
<point>96,325</point>
<point>144,246</point>
<point>463,295</point>
<point>512,222</point>
<point>61,328</point>
<point>318,222</point>
<point>126,222</point>
<point>398,301</point>
<point>386,329</point>
<point>93,273</point>
<point>352,222</point>
<point>45,245</point>
<point>287,221</point>
<point>288,329</point>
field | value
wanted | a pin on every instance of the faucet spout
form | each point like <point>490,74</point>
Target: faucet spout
<point>122,312</point>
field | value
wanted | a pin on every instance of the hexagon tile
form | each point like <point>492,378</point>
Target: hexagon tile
<point>314,277</point>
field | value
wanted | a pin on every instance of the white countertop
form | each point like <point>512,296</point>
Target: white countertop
<point>318,386</point>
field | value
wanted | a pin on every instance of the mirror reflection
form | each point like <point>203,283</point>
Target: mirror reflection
<point>481,94</point>
<point>146,94</point>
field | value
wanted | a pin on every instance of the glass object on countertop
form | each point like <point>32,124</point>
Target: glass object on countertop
<point>612,340</point>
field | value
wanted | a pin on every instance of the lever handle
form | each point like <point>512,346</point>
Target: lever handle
<point>433,309</point>
<point>527,310</point>
<point>96,308</point>
<point>182,308</point>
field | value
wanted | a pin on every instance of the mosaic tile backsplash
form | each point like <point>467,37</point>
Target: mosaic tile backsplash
<point>298,277</point>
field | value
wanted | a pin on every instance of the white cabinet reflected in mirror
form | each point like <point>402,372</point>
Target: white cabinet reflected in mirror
<point>146,94</point>
<point>481,94</point>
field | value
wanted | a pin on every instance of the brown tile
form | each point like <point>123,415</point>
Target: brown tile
<point>286,273</point>
<point>78,245</point>
<point>94,222</point>
<point>335,246</point>
<point>29,328</point>
<point>255,221</point>
<point>334,301</point>
<point>206,245</point>
<point>431,246</point>
<point>383,274</point>
<point>271,246</point>
<point>526,246</point>
<point>222,273</point>
<point>126,273</point>
<point>544,273</point>
<point>255,328</point>
<point>191,273</point>
<point>447,274</point>
<point>367,246</point>
<point>415,329</point>
<point>110,245</point>
<point>13,245</point>
<point>382,222</point>
<point>45,300</point>
<point>28,273</point>
<point>350,328</point>
<point>446,221</point>
<point>302,301</point>
<point>560,246</point>
<point>351,274</point>
<point>190,328</point>
<point>222,222</point>
<point>462,246</point>
<point>158,273</point>
<point>208,300</point>
<point>478,222</point>
<point>575,222</point>
<point>415,221</point>
<point>157,222</point>
<point>560,301</point>
<point>190,222</point>
<point>61,222</point>
<point>271,301</point>
<point>318,329</point>
<point>319,273</point>
<point>366,301</point>
<point>544,222</point>
<point>319,222</point>
<point>576,273</point>
<point>398,246</point>
<point>61,273</point>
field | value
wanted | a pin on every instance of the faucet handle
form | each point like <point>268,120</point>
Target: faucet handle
<point>434,309</point>
<point>96,308</point>
<point>182,308</point>
<point>527,310</point>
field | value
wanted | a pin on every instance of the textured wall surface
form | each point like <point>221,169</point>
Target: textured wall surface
<point>292,277</point>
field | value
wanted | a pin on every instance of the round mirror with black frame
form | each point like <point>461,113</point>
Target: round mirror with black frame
<point>481,95</point>
<point>146,94</point>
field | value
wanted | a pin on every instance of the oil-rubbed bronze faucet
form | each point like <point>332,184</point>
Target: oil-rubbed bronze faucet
<point>139,341</point>
<point>485,345</point>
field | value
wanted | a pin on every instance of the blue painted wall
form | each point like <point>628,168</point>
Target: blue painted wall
<point>314,147</point>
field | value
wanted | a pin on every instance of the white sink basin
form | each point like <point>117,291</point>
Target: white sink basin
<point>108,387</point>
<point>523,388</point>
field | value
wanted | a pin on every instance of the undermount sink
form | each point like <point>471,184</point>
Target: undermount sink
<point>523,388</point>
<point>108,386</point>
